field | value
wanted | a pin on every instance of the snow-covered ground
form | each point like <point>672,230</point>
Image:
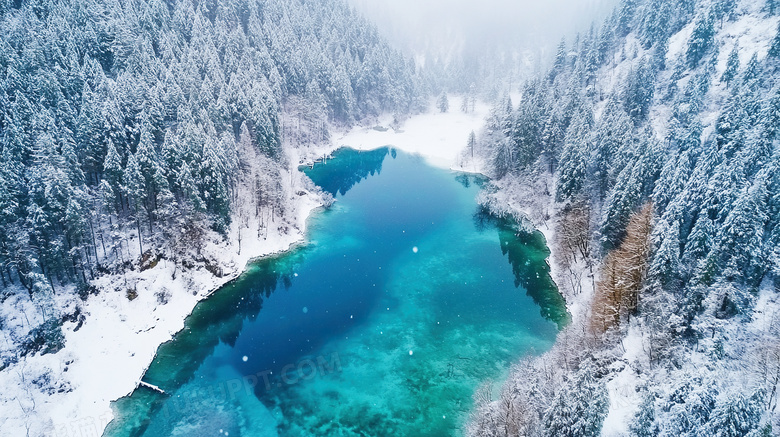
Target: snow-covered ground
<point>624,399</point>
<point>438,137</point>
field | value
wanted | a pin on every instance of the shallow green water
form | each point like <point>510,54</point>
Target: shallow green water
<point>402,302</point>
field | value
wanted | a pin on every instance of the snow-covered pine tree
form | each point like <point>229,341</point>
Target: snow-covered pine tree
<point>579,410</point>
<point>736,416</point>
<point>732,66</point>
<point>442,102</point>
<point>643,424</point>
<point>574,157</point>
<point>701,39</point>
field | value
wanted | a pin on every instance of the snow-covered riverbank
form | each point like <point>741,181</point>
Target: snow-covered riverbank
<point>68,393</point>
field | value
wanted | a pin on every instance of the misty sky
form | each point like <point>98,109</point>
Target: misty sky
<point>435,25</point>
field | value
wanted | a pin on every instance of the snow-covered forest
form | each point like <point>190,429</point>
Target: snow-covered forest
<point>654,139</point>
<point>131,123</point>
<point>148,139</point>
<point>136,133</point>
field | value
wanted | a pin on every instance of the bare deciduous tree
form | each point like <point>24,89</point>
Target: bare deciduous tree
<point>574,232</point>
<point>572,240</point>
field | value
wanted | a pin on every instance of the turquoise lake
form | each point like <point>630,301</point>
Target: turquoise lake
<point>403,300</point>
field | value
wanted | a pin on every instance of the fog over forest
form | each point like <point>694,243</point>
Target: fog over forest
<point>444,27</point>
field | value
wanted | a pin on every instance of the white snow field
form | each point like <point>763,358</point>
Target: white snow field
<point>438,137</point>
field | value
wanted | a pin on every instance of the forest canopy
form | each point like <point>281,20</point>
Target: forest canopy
<point>130,116</point>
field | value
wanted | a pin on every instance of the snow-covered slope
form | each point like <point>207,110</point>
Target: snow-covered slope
<point>672,104</point>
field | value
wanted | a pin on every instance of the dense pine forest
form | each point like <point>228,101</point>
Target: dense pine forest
<point>141,133</point>
<point>657,132</point>
<point>138,123</point>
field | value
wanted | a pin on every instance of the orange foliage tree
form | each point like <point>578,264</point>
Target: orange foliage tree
<point>623,272</point>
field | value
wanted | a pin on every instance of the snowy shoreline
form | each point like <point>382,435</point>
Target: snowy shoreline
<point>123,334</point>
<point>109,347</point>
